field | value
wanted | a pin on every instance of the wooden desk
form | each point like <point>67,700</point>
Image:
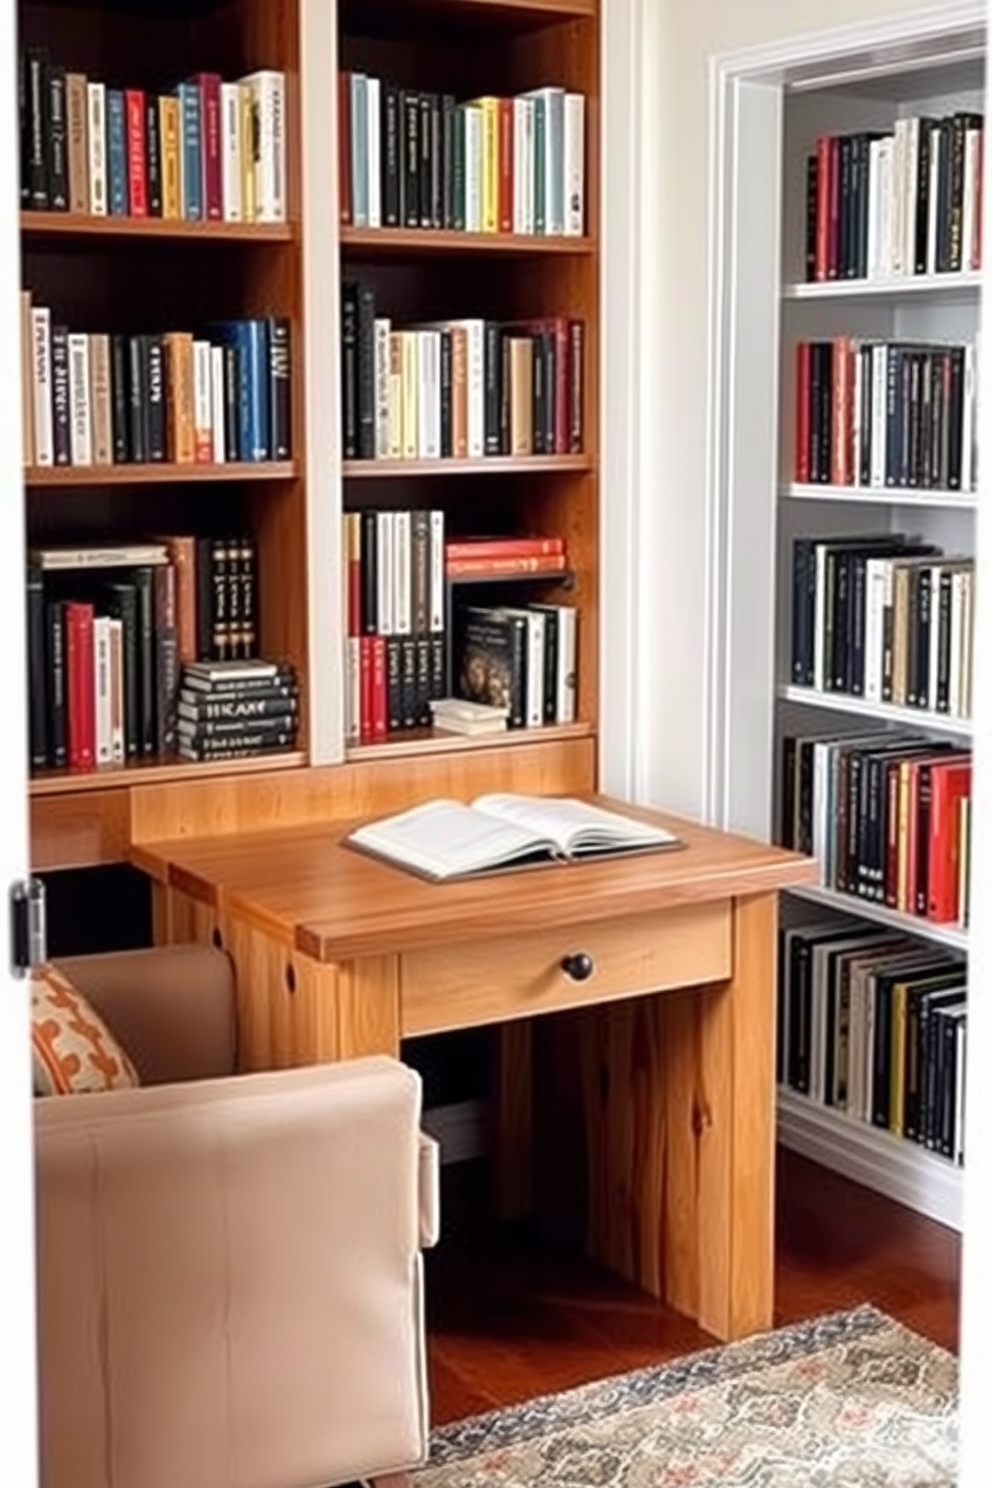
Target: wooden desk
<point>339,955</point>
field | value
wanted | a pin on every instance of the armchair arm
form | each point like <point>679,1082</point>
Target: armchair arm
<point>229,1280</point>
<point>429,1187</point>
<point>172,1007</point>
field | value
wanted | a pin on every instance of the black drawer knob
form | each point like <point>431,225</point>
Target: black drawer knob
<point>579,967</point>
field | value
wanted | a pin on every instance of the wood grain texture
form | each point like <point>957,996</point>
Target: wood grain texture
<point>435,741</point>
<point>196,808</point>
<point>179,918</point>
<point>486,465</point>
<point>343,904</point>
<point>393,242</point>
<point>78,225</point>
<point>77,831</point>
<point>368,1007</point>
<point>520,975</point>
<point>512,1120</point>
<point>71,477</point>
<point>115,779</point>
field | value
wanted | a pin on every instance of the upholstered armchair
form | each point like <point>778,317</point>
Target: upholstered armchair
<point>229,1267</point>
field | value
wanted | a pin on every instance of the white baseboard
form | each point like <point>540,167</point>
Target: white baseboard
<point>888,1164</point>
<point>462,1130</point>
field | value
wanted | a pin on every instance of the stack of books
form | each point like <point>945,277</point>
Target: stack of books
<point>232,709</point>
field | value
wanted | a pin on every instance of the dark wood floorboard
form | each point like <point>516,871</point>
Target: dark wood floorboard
<point>510,1318</point>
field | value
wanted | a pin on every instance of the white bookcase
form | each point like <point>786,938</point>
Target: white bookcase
<point>763,307</point>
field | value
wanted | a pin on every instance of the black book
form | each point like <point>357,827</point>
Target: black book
<point>145,630</point>
<point>424,168</point>
<point>26,129</point>
<point>956,193</point>
<point>120,600</point>
<point>61,437</point>
<point>204,599</point>
<point>955,418</point>
<point>422,646</point>
<point>492,375</point>
<point>137,399</point>
<point>366,372</point>
<point>37,114</point>
<point>409,708</point>
<point>893,408</point>
<point>369,574</point>
<point>119,399</point>
<point>55,683</point>
<point>155,421</point>
<point>440,686</point>
<point>945,148</point>
<point>458,171</point>
<point>349,369</point>
<point>803,610</point>
<point>845,256</point>
<point>410,178</point>
<point>448,160</point>
<point>935,983</point>
<point>924,801</point>
<point>863,204</point>
<point>38,745</point>
<point>505,391</point>
<point>279,374</point>
<point>539,413</point>
<point>236,728</point>
<point>921,652</point>
<point>931,1005</point>
<point>232,404</point>
<point>491,660</point>
<point>240,746</point>
<point>166,658</point>
<point>391,129</point>
<point>266,702</point>
<point>153,155</point>
<point>927,144</point>
<point>914,461</point>
<point>437,163</point>
<point>58,161</point>
<point>550,385</point>
<point>394,683</point>
<point>248,585</point>
<point>944,604</point>
<point>446,410</point>
<point>812,182</point>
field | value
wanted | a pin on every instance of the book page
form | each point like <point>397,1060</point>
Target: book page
<point>446,839</point>
<point>574,826</point>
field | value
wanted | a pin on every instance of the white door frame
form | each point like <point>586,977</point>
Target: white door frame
<point>740,578</point>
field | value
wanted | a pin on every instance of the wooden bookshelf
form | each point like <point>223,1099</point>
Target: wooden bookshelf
<point>80,225</point>
<point>164,473</point>
<point>154,772</point>
<point>531,465</point>
<point>393,242</point>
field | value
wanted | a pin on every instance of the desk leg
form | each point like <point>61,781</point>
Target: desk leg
<point>679,1101</point>
<point>368,1001</point>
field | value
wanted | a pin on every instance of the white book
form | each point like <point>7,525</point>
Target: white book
<point>519,164</point>
<point>410,397</point>
<point>956,646</point>
<point>122,555</point>
<point>878,581</point>
<point>394,433</point>
<point>384,589</point>
<point>929,694</point>
<point>972,196</point>
<point>267,89</point>
<point>353,690</point>
<point>574,164</point>
<point>374,157</point>
<point>910,195</point>
<point>528,164</point>
<point>933,200</point>
<point>533,709</point>
<point>381,345</point>
<point>429,394</point>
<point>218,416</point>
<point>567,655</point>
<point>875,209</point>
<point>821,762</point>
<point>898,223</point>
<point>230,151</point>
<point>402,574</point>
<point>436,585</point>
<point>102,693</point>
<point>41,365</point>
<point>203,402</point>
<point>116,637</point>
<point>473,168</point>
<point>359,151</point>
<point>879,376</point>
<point>967,640</point>
<point>887,205</point>
<point>96,133</point>
<point>968,411</point>
<point>857,407</point>
<point>820,620</point>
<point>449,839</point>
<point>80,403</point>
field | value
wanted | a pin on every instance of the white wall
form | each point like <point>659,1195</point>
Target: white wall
<point>679,38</point>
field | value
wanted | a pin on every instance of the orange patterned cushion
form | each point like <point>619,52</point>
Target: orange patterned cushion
<point>72,1049</point>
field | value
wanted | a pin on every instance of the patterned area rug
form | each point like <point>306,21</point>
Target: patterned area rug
<point>853,1400</point>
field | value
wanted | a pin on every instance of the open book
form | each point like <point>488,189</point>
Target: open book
<point>447,839</point>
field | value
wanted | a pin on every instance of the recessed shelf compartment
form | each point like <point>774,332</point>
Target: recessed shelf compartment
<point>912,718</point>
<point>418,742</point>
<point>964,282</point>
<point>157,772</point>
<point>882,496</point>
<point>849,904</point>
<point>399,242</point>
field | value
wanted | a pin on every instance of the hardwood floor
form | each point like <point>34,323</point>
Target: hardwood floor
<point>510,1318</point>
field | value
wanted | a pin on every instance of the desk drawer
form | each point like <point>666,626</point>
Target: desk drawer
<point>513,976</point>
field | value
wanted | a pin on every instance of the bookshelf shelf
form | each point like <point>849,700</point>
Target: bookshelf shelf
<point>165,473</point>
<point>966,282</point>
<point>841,702</point>
<point>419,742</point>
<point>67,783</point>
<point>945,935</point>
<point>512,15</point>
<point>386,242</point>
<point>882,496</point>
<point>488,465</point>
<point>157,229</point>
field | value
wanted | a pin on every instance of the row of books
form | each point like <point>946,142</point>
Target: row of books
<point>519,657</point>
<point>886,618</point>
<point>414,159</point>
<point>110,398</point>
<point>236,709</point>
<point>906,202</point>
<point>879,414</point>
<point>458,388</point>
<point>108,630</point>
<point>207,150</point>
<point>874,1024</point>
<point>887,817</point>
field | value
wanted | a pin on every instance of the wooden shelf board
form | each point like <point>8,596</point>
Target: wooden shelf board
<point>398,18</point>
<point>893,1165</point>
<point>430,741</point>
<point>968,282</point>
<point>87,225</point>
<point>916,718</point>
<point>393,242</point>
<point>160,473</point>
<point>946,935</point>
<point>880,496</point>
<point>488,465</point>
<point>115,777</point>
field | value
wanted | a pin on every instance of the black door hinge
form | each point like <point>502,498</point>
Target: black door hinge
<point>28,938</point>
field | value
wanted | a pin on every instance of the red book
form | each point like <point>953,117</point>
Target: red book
<point>344,145</point>
<point>380,704</point>
<point>504,547</point>
<point>822,205</point>
<point>575,389</point>
<point>842,421</point>
<point>365,688</point>
<point>802,413</point>
<point>950,782</point>
<point>504,204</point>
<point>137,167</point>
<point>833,236</point>
<point>457,568</point>
<point>210,144</point>
<point>81,694</point>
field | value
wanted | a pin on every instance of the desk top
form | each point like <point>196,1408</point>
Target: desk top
<point>336,904</point>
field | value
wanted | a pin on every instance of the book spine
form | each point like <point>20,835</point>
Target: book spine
<point>231,167</point>
<point>80,407</point>
<point>209,85</point>
<point>58,165</point>
<point>60,414</point>
<point>153,154</point>
<point>137,164</point>
<point>117,172</point>
<point>279,387</point>
<point>154,357</point>
<point>96,133</point>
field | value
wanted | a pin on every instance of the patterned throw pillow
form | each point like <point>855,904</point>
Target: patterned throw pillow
<point>72,1049</point>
